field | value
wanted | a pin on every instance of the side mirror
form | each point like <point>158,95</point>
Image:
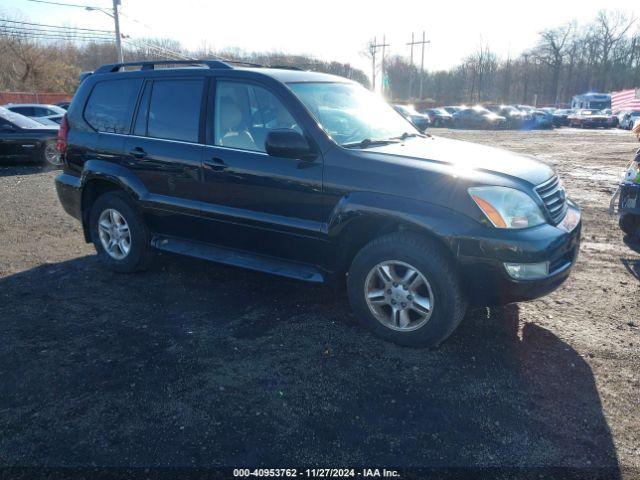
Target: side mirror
<point>288,144</point>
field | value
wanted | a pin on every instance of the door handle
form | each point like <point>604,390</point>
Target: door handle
<point>138,152</point>
<point>215,164</point>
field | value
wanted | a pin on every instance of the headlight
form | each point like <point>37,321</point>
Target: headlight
<point>507,207</point>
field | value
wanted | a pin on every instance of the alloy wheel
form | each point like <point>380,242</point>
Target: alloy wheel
<point>52,155</point>
<point>399,295</point>
<point>115,235</point>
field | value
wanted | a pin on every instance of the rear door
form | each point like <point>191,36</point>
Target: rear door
<point>258,202</point>
<point>165,152</point>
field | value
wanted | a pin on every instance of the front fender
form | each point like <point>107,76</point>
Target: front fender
<point>380,213</point>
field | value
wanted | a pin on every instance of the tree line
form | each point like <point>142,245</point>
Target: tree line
<point>27,64</point>
<point>602,56</point>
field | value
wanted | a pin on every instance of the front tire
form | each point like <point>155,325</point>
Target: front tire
<point>630,224</point>
<point>405,289</point>
<point>119,234</point>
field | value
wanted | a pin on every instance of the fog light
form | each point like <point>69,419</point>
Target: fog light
<point>527,271</point>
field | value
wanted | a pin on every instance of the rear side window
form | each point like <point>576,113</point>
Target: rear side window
<point>28,111</point>
<point>111,105</point>
<point>174,110</point>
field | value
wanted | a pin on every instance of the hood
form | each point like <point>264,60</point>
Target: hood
<point>465,157</point>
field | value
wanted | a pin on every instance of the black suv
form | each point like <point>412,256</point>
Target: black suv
<point>313,177</point>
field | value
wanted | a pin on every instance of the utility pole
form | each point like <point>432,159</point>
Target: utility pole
<point>526,78</point>
<point>373,49</point>
<point>422,43</point>
<point>411,67</point>
<point>116,20</point>
<point>382,66</point>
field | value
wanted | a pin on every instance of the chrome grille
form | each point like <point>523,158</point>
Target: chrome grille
<point>554,198</point>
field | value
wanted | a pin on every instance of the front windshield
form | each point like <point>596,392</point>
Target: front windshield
<point>351,114</point>
<point>18,120</point>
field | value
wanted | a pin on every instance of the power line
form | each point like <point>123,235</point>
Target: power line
<point>55,26</point>
<point>51,32</point>
<point>24,34</point>
<point>54,37</point>
<point>62,4</point>
<point>162,50</point>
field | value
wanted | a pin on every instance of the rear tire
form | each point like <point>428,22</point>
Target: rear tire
<point>397,253</point>
<point>119,234</point>
<point>50,154</point>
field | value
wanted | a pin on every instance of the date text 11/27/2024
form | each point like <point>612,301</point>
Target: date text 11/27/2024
<point>316,473</point>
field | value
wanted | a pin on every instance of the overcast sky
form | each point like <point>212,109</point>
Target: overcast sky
<point>332,29</point>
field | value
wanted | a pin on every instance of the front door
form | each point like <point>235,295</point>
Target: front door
<point>258,202</point>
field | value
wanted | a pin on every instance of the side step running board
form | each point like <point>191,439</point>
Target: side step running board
<point>238,259</point>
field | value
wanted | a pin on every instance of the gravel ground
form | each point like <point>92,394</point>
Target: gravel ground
<point>194,364</point>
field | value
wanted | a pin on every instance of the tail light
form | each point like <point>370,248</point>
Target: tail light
<point>63,132</point>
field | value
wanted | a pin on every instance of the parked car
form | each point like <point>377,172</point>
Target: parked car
<point>585,118</point>
<point>542,120</point>
<point>453,109</point>
<point>629,118</point>
<point>420,120</point>
<point>560,117</point>
<point>514,117</point>
<point>313,177</point>
<point>620,115</point>
<point>440,117</point>
<point>44,114</point>
<point>22,138</point>
<point>612,120</point>
<point>478,117</point>
<point>64,105</point>
<point>526,108</point>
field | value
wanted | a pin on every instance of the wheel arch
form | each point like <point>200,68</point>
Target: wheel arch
<point>98,178</point>
<point>359,219</point>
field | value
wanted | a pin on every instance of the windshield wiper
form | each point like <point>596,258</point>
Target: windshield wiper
<point>406,135</point>
<point>368,142</point>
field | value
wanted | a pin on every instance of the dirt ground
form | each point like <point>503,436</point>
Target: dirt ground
<point>194,364</point>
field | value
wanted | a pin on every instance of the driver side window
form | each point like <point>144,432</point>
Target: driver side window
<point>244,114</point>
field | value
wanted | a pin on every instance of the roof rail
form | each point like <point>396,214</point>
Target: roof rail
<point>286,67</point>
<point>212,64</point>
<point>150,65</point>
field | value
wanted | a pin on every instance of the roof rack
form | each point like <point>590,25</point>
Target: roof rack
<point>212,64</point>
<point>150,65</point>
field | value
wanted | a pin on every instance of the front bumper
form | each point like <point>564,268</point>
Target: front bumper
<point>482,258</point>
